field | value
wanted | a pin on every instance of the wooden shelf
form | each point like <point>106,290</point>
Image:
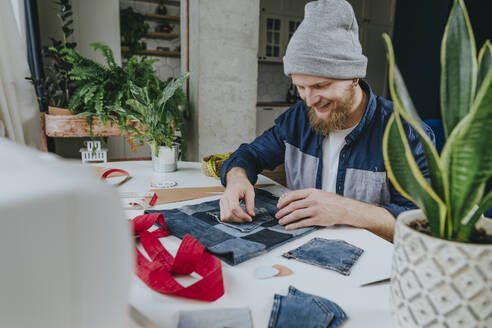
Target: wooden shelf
<point>63,126</point>
<point>152,52</point>
<point>61,123</point>
<point>161,35</point>
<point>163,17</point>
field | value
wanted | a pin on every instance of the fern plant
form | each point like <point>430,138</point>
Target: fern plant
<point>100,89</point>
<point>109,91</point>
<point>97,87</point>
<point>454,201</point>
<point>160,117</point>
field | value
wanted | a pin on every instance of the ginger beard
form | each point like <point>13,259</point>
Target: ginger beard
<point>335,116</point>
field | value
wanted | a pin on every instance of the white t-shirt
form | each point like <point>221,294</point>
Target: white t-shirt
<point>332,145</point>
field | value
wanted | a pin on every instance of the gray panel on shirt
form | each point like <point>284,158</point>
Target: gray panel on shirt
<point>300,168</point>
<point>367,186</point>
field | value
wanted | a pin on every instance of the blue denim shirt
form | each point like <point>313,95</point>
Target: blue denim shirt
<point>361,171</point>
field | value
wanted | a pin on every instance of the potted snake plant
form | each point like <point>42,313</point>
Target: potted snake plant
<point>160,121</point>
<point>442,261</point>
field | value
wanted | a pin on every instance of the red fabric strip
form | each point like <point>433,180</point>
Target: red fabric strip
<point>108,172</point>
<point>191,257</point>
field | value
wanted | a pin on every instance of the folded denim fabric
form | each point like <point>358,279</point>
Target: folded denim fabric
<point>339,314</point>
<point>216,318</point>
<point>336,255</point>
<point>299,309</point>
<point>232,242</point>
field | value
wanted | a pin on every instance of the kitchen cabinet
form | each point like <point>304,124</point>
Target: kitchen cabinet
<point>272,39</point>
<point>278,22</point>
<point>277,31</point>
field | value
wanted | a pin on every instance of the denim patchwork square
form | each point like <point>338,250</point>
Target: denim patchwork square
<point>212,237</point>
<point>269,224</point>
<point>185,224</point>
<point>202,207</point>
<point>336,255</point>
<point>237,250</point>
<point>268,237</point>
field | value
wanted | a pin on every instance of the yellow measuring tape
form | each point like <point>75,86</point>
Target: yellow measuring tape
<point>211,164</point>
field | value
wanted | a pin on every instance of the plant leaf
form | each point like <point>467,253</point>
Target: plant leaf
<point>406,177</point>
<point>137,106</point>
<point>458,67</point>
<point>484,62</point>
<point>106,52</point>
<point>404,105</point>
<point>467,154</point>
<point>85,114</point>
<point>139,94</point>
<point>467,227</point>
<point>171,89</point>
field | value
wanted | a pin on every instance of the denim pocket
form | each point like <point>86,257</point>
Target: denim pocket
<point>336,255</point>
<point>339,314</point>
<point>262,216</point>
<point>298,311</point>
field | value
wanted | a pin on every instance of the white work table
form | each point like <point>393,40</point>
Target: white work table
<point>364,306</point>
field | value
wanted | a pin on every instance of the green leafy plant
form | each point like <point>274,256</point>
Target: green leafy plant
<point>132,28</point>
<point>100,89</point>
<point>160,117</point>
<point>453,201</point>
<point>109,92</point>
<point>97,87</point>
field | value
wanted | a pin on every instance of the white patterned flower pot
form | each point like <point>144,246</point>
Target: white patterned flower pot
<point>439,283</point>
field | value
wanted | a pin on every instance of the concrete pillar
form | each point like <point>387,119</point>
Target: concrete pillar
<point>224,66</point>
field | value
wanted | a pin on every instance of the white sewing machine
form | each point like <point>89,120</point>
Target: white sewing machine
<point>65,248</point>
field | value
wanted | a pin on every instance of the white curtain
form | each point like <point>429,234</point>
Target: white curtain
<point>19,110</point>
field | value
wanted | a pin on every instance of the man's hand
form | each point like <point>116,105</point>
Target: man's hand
<point>310,207</point>
<point>315,207</point>
<point>238,188</point>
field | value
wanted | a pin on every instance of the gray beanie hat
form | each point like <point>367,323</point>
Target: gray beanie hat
<point>326,43</point>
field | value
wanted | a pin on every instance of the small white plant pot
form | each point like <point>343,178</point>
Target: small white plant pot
<point>440,283</point>
<point>167,159</point>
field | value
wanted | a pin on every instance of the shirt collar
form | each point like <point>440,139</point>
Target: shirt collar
<point>368,113</point>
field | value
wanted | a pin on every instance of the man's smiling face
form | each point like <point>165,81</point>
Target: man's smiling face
<point>330,101</point>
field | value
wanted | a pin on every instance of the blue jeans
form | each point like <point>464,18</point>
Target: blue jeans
<point>216,318</point>
<point>299,309</point>
<point>336,255</point>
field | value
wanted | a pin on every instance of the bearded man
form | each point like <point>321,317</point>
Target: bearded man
<point>330,142</point>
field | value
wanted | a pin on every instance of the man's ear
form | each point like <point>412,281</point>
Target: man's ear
<point>355,82</point>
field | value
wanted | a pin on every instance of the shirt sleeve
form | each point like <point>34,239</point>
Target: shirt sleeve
<point>265,152</point>
<point>399,203</point>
